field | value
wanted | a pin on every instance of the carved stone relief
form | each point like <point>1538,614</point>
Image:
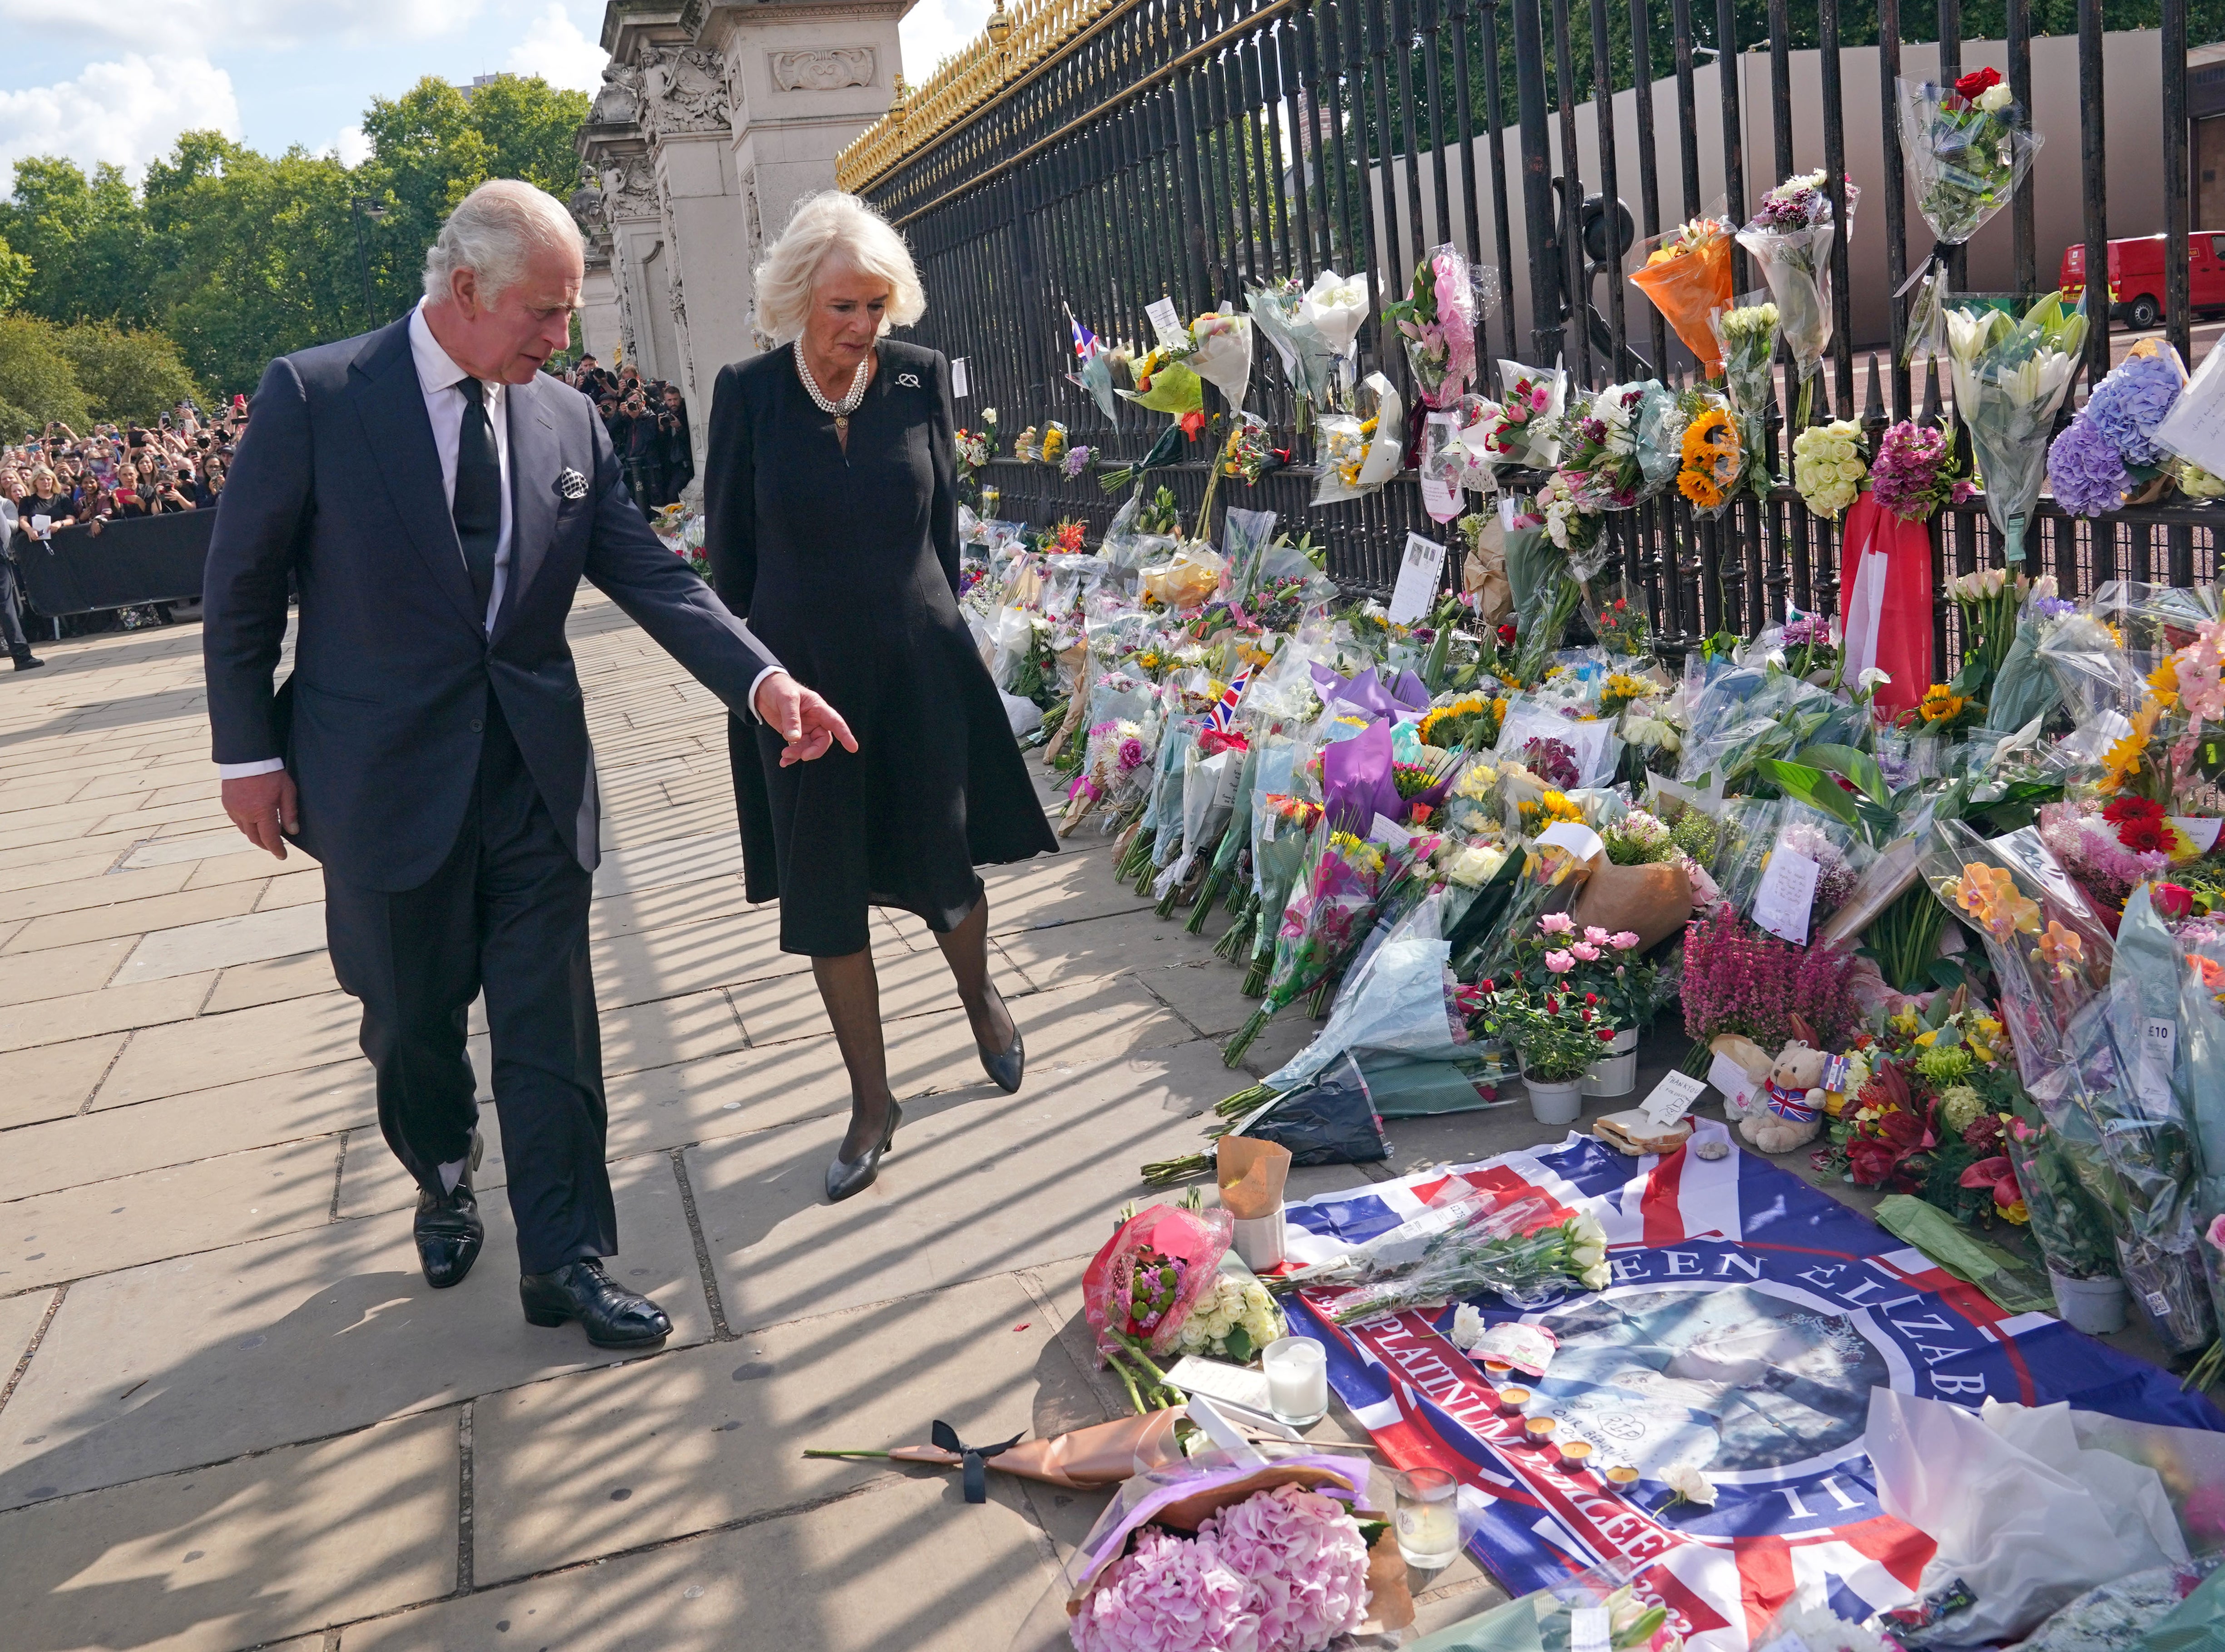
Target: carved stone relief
<point>619,101</point>
<point>630,188</point>
<point>683,90</point>
<point>827,70</point>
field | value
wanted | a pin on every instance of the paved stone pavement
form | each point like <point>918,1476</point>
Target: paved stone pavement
<point>231,1415</point>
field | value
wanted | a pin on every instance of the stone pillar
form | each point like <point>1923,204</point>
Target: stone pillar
<point>713,121</point>
<point>600,331</point>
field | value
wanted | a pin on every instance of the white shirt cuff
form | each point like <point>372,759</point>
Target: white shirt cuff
<point>758,682</point>
<point>268,766</point>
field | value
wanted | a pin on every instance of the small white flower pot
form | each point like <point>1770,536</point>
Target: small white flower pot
<point>1556,1103</point>
<point>2093,1306</point>
<point>1616,1072</point>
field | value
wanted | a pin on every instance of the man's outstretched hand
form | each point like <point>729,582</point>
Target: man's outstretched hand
<point>265,807</point>
<point>800,718</point>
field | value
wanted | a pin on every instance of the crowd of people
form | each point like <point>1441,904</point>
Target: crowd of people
<point>648,422</point>
<point>58,478</point>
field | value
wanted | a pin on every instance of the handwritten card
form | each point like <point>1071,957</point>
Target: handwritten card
<point>1440,499</point>
<point>1737,1085</point>
<point>1419,570</point>
<point>1166,321</point>
<point>1787,893</point>
<point>2203,831</point>
<point>1672,1098</point>
<point>2194,428</point>
<point>958,380</point>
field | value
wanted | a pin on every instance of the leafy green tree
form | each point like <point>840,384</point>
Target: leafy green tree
<point>36,379</point>
<point>92,256</point>
<point>14,274</point>
<point>127,377</point>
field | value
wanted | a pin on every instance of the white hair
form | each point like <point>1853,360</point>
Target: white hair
<point>494,233</point>
<point>838,227</point>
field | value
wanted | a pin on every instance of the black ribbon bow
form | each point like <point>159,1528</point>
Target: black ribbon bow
<point>975,1457</point>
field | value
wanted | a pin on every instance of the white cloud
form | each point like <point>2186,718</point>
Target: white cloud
<point>191,25</point>
<point>127,112</point>
<point>351,146</point>
<point>933,29</point>
<point>554,49</point>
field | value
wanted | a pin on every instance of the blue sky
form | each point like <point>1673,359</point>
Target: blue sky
<point>118,79</point>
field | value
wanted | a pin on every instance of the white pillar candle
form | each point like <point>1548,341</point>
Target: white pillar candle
<point>1297,1379</point>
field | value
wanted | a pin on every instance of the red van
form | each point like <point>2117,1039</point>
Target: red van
<point>2136,276</point>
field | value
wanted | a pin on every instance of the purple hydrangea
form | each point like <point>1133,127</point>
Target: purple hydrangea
<point>2127,405</point>
<point>2085,471</point>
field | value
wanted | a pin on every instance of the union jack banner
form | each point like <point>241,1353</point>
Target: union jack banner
<point>1748,1318</point>
<point>1085,341</point>
<point>1224,709</point>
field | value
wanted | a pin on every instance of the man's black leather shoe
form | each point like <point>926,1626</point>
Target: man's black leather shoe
<point>448,1228</point>
<point>612,1316</point>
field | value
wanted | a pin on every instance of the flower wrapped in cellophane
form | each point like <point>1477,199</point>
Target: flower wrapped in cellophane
<point>1790,235</point>
<point>1686,275</point>
<point>1220,353</point>
<point>1827,466</point>
<point>1309,362</point>
<point>2010,377</point>
<point>1966,146</point>
<point>1139,1289</point>
<point>1522,429</point>
<point>1360,450</point>
<point>1712,457</point>
<point>2109,452</point>
<point>1437,322</point>
<point>1281,828</point>
<point>1330,910</point>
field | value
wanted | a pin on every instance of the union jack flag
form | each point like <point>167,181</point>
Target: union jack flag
<point>1085,341</point>
<point>1224,709</point>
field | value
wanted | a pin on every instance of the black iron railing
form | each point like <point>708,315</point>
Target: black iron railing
<point>1189,147</point>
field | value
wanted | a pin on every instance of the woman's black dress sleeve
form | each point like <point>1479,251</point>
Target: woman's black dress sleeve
<point>846,564</point>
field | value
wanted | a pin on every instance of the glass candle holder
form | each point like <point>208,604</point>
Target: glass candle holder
<point>1297,1379</point>
<point>1427,1518</point>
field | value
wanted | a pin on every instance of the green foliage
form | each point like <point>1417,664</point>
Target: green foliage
<point>127,377</point>
<point>37,383</point>
<point>239,256</point>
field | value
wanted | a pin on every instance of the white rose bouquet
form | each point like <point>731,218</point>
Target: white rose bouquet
<point>1233,1321</point>
<point>1827,466</point>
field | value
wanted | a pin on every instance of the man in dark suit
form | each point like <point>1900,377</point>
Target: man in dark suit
<point>436,499</point>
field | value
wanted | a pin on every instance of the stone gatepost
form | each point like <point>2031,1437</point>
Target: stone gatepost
<point>713,121</point>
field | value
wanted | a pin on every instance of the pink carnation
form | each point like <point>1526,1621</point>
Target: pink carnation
<point>1560,962</point>
<point>1556,924</point>
<point>1167,1595</point>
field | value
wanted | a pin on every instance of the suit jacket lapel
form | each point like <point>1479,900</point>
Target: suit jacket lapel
<point>391,405</point>
<point>535,460</point>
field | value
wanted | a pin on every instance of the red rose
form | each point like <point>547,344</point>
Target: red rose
<point>1606,1035</point>
<point>1487,986</point>
<point>1591,998</point>
<point>1506,635</point>
<point>2171,900</point>
<point>1976,81</point>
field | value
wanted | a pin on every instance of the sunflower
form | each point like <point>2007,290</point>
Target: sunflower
<point>1940,703</point>
<point>1710,459</point>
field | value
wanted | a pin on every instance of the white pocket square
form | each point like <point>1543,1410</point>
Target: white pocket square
<point>571,485</point>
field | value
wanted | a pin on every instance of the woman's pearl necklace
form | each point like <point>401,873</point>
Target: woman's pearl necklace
<point>848,404</point>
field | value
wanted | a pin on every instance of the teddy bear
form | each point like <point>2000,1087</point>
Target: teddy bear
<point>1786,1108</point>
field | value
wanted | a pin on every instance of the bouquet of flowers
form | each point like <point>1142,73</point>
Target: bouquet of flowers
<point>1437,322</point>
<point>1233,1321</point>
<point>1282,836</point>
<point>974,450</point>
<point>1220,353</point>
<point>1362,450</point>
<point>1617,624</point>
<point>1328,913</point>
<point>1491,1252</point>
<point>1335,308</point>
<point>1140,1287</point>
<point>2069,1224</point>
<point>1095,365</point>
<point>1522,429</point>
<point>1747,336</point>
<point>2109,450</point>
<point>1967,146</point>
<point>1827,466</point>
<point>2024,688</point>
<point>1247,455</point>
<point>1601,467</point>
<point>1309,361</point>
<point>1790,236</point>
<point>1989,599</point>
<point>2010,377</point>
<point>1687,273</point>
<point>1917,471</point>
<point>1712,458</point>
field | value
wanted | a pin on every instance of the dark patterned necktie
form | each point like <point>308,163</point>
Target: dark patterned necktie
<point>478,505</point>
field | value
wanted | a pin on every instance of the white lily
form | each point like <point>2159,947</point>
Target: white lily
<point>1689,1484</point>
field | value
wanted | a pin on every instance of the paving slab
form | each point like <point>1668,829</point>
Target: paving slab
<point>178,1129</point>
<point>244,864</point>
<point>905,1563</point>
<point>778,1006</point>
<point>694,902</point>
<point>712,1434</point>
<point>144,1371</point>
<point>62,970</point>
<point>86,894</point>
<point>239,1554</point>
<point>63,868</point>
<point>20,1318</point>
<point>1076,884</point>
<point>271,980</point>
<point>972,1190</point>
<point>18,797</point>
<point>671,959</point>
<point>198,846</point>
<point>125,1221</point>
<point>82,1015</point>
<point>215,1050</point>
<point>653,866</point>
<point>223,942</point>
<point>292,888</point>
<point>686,1028</point>
<point>135,917</point>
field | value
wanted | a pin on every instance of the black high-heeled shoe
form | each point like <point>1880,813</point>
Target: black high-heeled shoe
<point>1005,1070</point>
<point>846,1176</point>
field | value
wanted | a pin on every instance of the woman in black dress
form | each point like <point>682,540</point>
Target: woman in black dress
<point>831,525</point>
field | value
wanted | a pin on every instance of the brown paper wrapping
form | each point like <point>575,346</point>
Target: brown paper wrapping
<point>1483,572</point>
<point>1654,901</point>
<point>1075,664</point>
<point>1087,1459</point>
<point>1389,1601</point>
<point>1251,1175</point>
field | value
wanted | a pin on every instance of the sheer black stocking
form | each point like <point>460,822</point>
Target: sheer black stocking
<point>852,992</point>
<point>966,950</point>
